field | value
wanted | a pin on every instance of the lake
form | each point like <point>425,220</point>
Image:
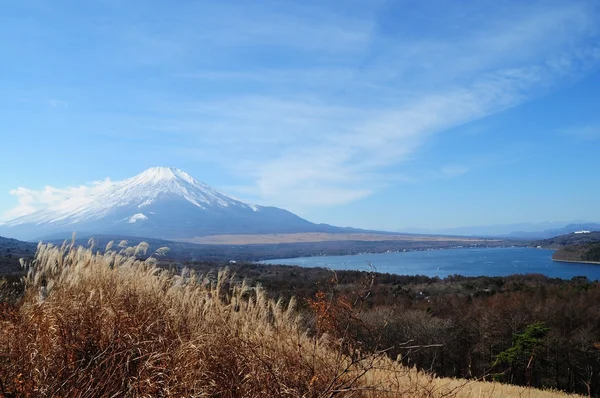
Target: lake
<point>467,262</point>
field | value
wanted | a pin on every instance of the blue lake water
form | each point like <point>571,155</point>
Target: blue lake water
<point>467,262</point>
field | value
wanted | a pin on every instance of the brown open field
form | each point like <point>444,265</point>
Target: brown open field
<point>323,237</point>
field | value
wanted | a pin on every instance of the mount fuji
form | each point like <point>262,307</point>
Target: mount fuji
<point>160,202</point>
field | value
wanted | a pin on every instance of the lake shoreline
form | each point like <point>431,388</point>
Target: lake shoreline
<point>469,262</point>
<point>576,262</point>
<point>401,251</point>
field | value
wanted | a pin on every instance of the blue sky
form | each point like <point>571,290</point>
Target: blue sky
<point>374,114</point>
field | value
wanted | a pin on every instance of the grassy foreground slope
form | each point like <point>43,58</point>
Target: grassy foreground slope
<point>112,325</point>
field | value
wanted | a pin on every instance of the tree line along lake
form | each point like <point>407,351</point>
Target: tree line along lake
<point>445,262</point>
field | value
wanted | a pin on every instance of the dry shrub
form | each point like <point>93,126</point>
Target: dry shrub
<point>112,325</point>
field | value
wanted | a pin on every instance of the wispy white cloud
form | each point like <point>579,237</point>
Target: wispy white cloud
<point>307,152</point>
<point>209,35</point>
<point>31,200</point>
<point>305,147</point>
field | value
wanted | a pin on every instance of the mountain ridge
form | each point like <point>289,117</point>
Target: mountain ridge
<point>574,247</point>
<point>541,230</point>
<point>160,202</point>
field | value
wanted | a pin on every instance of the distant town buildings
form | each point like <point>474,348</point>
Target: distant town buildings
<point>582,232</point>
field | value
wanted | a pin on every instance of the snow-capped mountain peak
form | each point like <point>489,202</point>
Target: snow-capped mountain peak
<point>157,175</point>
<point>159,202</point>
<point>148,186</point>
<point>154,185</point>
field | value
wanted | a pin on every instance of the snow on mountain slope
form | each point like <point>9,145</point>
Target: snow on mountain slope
<point>160,202</point>
<point>137,217</point>
<point>139,191</point>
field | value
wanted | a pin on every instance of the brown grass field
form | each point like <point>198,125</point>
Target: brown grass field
<point>110,325</point>
<point>323,237</point>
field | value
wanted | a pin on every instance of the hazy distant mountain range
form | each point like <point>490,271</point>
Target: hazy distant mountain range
<point>162,203</point>
<point>521,230</point>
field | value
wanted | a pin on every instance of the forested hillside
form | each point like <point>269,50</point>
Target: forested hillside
<point>589,252</point>
<point>568,239</point>
<point>574,247</point>
<point>10,252</point>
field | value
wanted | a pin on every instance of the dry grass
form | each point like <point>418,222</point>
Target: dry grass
<point>466,389</point>
<point>110,325</point>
